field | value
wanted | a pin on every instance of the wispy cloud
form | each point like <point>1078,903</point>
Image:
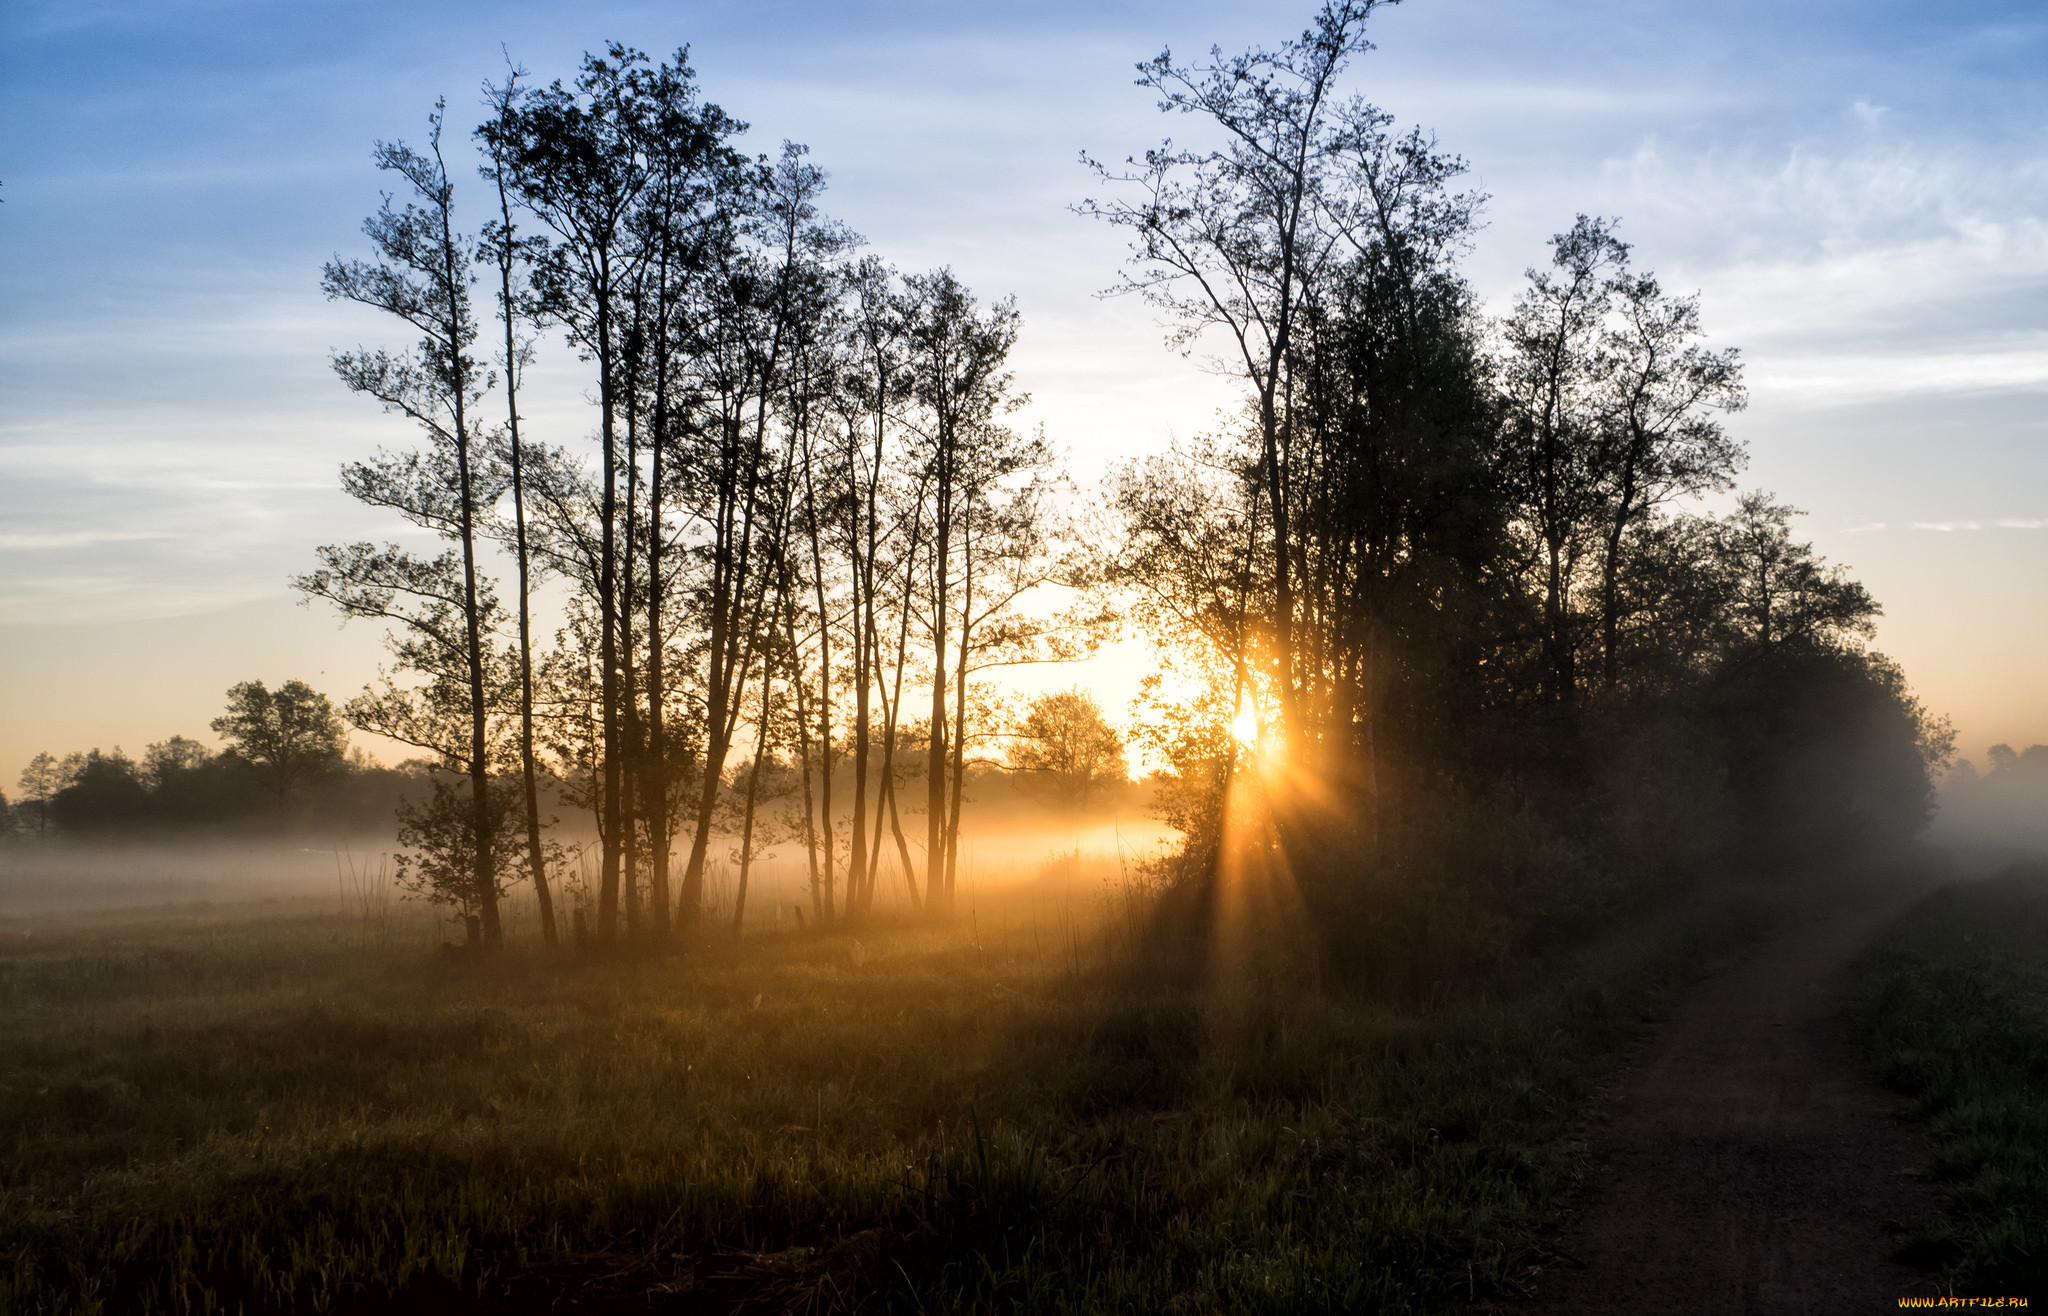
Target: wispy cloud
<point>2004,523</point>
<point>1863,529</point>
<point>15,541</point>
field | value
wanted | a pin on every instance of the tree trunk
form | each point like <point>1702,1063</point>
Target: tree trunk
<point>825,830</point>
<point>536,856</point>
<point>819,894</point>
<point>630,774</point>
<point>739,899</point>
<point>959,783</point>
<point>612,806</point>
<point>1610,581</point>
<point>484,873</point>
<point>655,781</point>
<point>935,895</point>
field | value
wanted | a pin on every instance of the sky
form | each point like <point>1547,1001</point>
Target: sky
<point>1857,191</point>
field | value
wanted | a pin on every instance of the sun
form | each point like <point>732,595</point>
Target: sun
<point>1245,726</point>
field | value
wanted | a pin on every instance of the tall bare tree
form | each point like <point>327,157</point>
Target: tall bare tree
<point>960,385</point>
<point>503,247</point>
<point>576,157</point>
<point>422,275</point>
<point>1233,237</point>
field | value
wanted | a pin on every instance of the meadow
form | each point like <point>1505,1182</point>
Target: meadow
<point>1034,1106</point>
<point>1953,1011</point>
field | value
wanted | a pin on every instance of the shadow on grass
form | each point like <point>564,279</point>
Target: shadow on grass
<point>1953,1012</point>
<point>1028,1109</point>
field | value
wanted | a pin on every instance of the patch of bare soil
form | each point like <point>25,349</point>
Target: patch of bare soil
<point>1747,1164</point>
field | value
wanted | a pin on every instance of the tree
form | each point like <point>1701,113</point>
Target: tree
<point>40,781</point>
<point>1552,460</point>
<point>504,248</point>
<point>104,794</point>
<point>960,385</point>
<point>166,759</point>
<point>577,159</point>
<point>871,387</point>
<point>292,733</point>
<point>440,834</point>
<point>1251,226</point>
<point>1782,593</point>
<point>1395,526</point>
<point>1659,437</point>
<point>2009,765</point>
<point>422,276</point>
<point>1066,743</point>
<point>1399,526</point>
<point>754,363</point>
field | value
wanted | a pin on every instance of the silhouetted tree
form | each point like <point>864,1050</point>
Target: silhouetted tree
<point>1237,236</point>
<point>1552,385</point>
<point>961,385</point>
<point>872,383</point>
<point>167,758</point>
<point>2007,762</point>
<point>104,796</point>
<point>1422,533</point>
<point>292,734</point>
<point>759,314</point>
<point>1781,591</point>
<point>503,246</point>
<point>423,275</point>
<point>40,781</point>
<point>1064,741</point>
<point>440,834</point>
<point>577,158</point>
<point>1659,438</point>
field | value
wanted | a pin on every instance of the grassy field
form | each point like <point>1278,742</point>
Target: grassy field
<point>269,1110</point>
<point>1954,1011</point>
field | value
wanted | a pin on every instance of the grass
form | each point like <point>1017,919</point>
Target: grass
<point>273,1112</point>
<point>1953,1010</point>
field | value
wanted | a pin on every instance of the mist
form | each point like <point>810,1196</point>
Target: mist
<point>767,901</point>
<point>1066,854</point>
<point>1993,818</point>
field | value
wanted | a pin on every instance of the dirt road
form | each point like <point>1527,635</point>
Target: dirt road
<point>1747,1165</point>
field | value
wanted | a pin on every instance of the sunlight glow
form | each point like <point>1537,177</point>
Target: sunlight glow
<point>1245,726</point>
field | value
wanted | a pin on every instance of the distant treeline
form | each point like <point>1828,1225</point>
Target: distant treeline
<point>2003,808</point>
<point>286,767</point>
<point>178,786</point>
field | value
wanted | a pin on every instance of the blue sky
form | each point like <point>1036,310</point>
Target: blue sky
<point>1859,191</point>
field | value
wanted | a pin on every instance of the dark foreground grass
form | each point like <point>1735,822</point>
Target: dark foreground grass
<point>242,1114</point>
<point>1953,1009</point>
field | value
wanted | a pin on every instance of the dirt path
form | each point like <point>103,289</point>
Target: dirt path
<point>1748,1165</point>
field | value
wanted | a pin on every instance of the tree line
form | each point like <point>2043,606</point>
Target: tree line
<point>1456,569</point>
<point>802,531</point>
<point>1451,570</point>
<point>284,765</point>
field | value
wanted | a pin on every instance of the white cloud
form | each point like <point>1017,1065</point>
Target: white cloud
<point>2006,523</point>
